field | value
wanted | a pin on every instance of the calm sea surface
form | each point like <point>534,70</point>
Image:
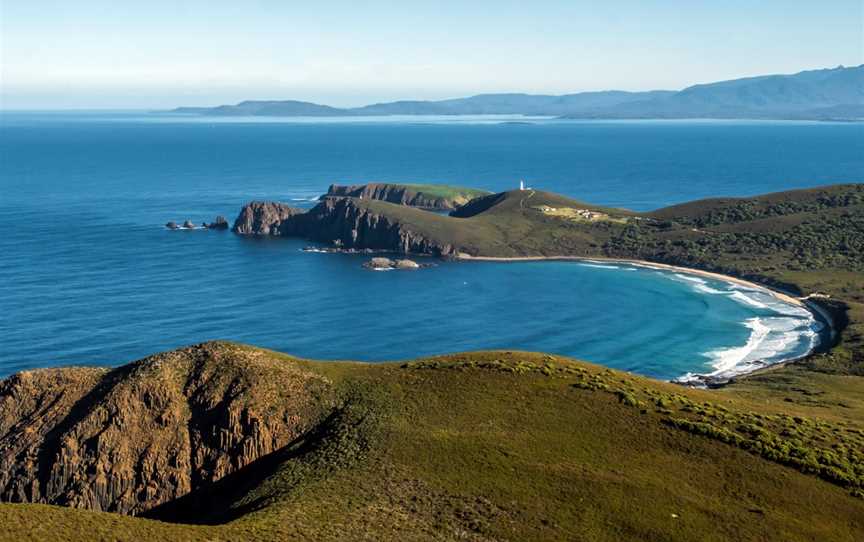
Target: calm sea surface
<point>89,275</point>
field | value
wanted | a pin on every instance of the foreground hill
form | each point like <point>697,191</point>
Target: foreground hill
<point>826,94</point>
<point>480,446</point>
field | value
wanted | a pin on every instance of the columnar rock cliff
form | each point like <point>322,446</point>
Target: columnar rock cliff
<point>263,217</point>
<point>411,195</point>
<point>353,225</point>
<point>342,221</point>
<point>129,439</point>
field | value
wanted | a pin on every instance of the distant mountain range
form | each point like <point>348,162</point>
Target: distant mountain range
<point>827,94</point>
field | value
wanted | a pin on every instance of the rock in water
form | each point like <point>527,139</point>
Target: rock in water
<point>219,224</point>
<point>189,225</point>
<point>172,225</point>
<point>407,264</point>
<point>380,263</point>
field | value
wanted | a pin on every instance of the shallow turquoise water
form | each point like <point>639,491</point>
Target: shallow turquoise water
<point>89,275</point>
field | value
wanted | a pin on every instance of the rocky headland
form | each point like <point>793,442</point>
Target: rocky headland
<point>431,197</point>
<point>341,222</point>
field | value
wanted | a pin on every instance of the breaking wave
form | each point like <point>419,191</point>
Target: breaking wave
<point>780,331</point>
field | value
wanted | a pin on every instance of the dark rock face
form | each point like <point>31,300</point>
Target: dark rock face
<point>393,193</point>
<point>354,226</point>
<point>129,439</point>
<point>341,222</point>
<point>263,218</point>
<point>219,224</point>
<point>172,225</point>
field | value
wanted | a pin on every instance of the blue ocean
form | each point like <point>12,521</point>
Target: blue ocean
<point>90,275</point>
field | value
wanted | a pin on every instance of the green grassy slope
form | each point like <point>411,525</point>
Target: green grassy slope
<point>513,446</point>
<point>445,191</point>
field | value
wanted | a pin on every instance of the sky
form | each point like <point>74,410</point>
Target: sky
<point>99,54</point>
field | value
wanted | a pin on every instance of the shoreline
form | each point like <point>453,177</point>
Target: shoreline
<point>819,314</point>
<point>782,296</point>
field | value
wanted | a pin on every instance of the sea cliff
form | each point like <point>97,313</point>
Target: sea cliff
<point>342,222</point>
<point>432,197</point>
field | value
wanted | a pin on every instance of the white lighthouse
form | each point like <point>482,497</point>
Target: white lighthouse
<point>522,185</point>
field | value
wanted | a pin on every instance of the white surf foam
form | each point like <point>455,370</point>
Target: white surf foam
<point>600,265</point>
<point>726,359</point>
<point>779,330</point>
<point>740,297</point>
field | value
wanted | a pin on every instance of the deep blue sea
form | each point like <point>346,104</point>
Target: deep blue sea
<point>89,275</point>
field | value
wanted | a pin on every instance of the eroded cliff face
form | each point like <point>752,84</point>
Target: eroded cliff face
<point>342,222</point>
<point>347,223</point>
<point>263,217</point>
<point>395,193</point>
<point>129,439</point>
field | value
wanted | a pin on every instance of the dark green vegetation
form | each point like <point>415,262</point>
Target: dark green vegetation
<point>478,446</point>
<point>815,94</point>
<point>507,445</point>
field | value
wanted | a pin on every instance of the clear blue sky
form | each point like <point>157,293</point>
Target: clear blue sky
<point>118,54</point>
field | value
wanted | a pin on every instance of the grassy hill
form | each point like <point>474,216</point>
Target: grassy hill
<point>514,446</point>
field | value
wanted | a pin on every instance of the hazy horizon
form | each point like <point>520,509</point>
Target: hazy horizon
<point>98,55</point>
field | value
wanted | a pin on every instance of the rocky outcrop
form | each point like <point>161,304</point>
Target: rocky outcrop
<point>401,194</point>
<point>351,225</point>
<point>380,263</point>
<point>263,218</point>
<point>172,225</point>
<point>407,264</point>
<point>342,222</point>
<point>221,223</point>
<point>129,439</point>
<point>188,225</point>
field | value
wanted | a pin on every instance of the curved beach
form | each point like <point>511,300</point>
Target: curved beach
<point>721,375</point>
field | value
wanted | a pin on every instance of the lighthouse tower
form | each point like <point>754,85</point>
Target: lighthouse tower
<point>522,185</point>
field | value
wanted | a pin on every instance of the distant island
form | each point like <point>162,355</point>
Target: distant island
<point>826,94</point>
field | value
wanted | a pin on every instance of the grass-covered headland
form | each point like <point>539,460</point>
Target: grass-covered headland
<point>492,446</point>
<point>229,442</point>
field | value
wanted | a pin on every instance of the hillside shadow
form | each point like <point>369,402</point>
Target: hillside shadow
<point>215,503</point>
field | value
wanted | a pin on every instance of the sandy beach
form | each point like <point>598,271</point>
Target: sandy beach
<point>651,265</point>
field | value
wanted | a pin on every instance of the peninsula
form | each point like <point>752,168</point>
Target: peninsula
<point>228,441</point>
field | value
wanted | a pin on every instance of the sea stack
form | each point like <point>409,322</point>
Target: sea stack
<point>221,223</point>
